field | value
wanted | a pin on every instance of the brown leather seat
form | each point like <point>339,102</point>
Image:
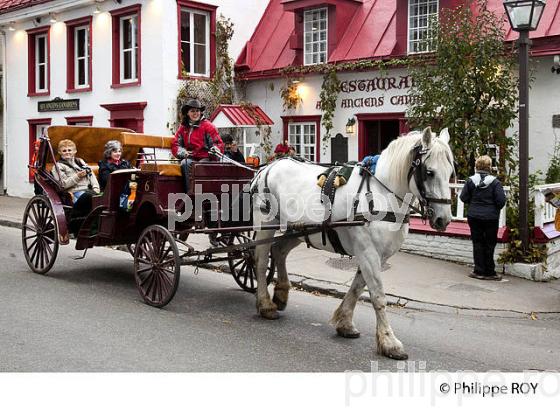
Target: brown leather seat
<point>173,170</point>
<point>90,143</point>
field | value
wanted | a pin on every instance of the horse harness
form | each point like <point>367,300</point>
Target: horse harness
<point>417,170</point>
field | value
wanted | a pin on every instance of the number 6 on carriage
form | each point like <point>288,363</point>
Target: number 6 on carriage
<point>417,164</point>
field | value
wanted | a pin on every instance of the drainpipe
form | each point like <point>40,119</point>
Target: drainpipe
<point>4,111</point>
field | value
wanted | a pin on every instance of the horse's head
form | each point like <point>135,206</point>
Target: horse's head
<point>429,175</point>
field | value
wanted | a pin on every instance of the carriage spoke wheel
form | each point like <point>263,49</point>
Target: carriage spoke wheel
<point>39,235</point>
<point>157,266</point>
<point>242,264</point>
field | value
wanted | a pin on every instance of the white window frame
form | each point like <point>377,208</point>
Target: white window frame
<point>192,12</point>
<point>300,148</point>
<point>133,50</point>
<point>85,57</point>
<point>308,46</point>
<point>45,63</point>
<point>418,29</point>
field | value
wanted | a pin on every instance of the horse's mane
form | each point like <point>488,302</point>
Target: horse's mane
<point>397,157</point>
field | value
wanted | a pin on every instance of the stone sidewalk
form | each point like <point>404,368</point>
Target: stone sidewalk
<point>415,281</point>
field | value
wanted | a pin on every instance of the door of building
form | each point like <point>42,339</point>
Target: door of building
<point>376,131</point>
<point>379,133</point>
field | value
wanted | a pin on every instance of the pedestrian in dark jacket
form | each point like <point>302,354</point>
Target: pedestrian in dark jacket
<point>111,162</point>
<point>485,197</point>
<point>194,138</point>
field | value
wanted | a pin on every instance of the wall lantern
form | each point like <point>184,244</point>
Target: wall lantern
<point>524,14</point>
<point>351,126</point>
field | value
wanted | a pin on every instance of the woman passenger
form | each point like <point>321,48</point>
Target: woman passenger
<point>112,161</point>
<point>76,177</point>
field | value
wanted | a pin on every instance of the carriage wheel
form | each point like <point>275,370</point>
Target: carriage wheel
<point>242,264</point>
<point>157,266</point>
<point>39,235</point>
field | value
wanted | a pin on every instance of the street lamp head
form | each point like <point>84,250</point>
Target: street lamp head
<point>524,15</point>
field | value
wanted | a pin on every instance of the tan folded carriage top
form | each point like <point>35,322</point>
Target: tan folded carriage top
<point>90,141</point>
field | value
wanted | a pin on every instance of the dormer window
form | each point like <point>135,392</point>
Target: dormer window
<point>420,15</point>
<point>315,36</point>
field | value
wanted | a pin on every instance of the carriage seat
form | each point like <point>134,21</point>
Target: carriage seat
<point>171,170</point>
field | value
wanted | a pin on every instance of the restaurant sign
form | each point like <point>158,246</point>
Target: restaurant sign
<point>58,104</point>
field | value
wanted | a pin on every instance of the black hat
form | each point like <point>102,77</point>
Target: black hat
<point>192,103</point>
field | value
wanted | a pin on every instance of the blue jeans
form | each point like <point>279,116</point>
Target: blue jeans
<point>186,166</point>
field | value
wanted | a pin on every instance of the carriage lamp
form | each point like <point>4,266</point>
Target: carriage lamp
<point>524,16</point>
<point>351,126</point>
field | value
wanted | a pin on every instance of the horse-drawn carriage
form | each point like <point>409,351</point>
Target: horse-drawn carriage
<point>158,252</point>
<point>373,206</point>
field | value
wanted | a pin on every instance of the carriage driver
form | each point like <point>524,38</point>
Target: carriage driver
<point>194,138</point>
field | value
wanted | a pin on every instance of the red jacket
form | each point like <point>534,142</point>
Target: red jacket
<point>192,139</point>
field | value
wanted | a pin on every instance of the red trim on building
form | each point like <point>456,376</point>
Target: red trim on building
<point>33,123</point>
<point>211,9</point>
<point>240,115</point>
<point>458,229</point>
<point>31,63</point>
<point>116,64</point>
<point>366,30</point>
<point>131,112</point>
<point>83,118</point>
<point>71,25</point>
<point>288,119</point>
<point>362,118</point>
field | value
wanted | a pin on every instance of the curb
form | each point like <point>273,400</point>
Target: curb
<point>10,223</point>
<point>320,287</point>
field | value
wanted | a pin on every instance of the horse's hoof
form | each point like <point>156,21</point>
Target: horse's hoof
<point>270,314</point>
<point>280,304</point>
<point>398,356</point>
<point>348,333</point>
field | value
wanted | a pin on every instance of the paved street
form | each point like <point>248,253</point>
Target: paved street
<point>86,315</point>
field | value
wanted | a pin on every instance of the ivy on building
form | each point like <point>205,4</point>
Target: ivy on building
<point>264,129</point>
<point>468,86</point>
<point>330,87</point>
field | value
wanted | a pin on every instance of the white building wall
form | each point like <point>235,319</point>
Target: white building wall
<point>159,62</point>
<point>544,102</point>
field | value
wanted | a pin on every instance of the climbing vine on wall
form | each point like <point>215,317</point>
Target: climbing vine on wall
<point>290,96</point>
<point>264,129</point>
<point>330,87</point>
<point>328,96</point>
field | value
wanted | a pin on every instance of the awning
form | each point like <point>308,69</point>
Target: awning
<point>239,116</point>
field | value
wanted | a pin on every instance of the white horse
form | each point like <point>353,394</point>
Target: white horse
<point>292,184</point>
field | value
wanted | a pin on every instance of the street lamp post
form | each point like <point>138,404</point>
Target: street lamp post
<point>524,16</point>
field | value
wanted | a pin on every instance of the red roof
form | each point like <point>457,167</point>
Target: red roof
<point>10,5</point>
<point>372,29</point>
<point>243,115</point>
